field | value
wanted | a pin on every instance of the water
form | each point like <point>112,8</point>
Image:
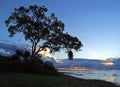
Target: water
<point>107,75</point>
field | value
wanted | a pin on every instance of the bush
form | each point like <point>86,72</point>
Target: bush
<point>26,56</point>
<point>39,67</point>
<point>34,65</point>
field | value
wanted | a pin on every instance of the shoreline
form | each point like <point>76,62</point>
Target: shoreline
<point>94,80</point>
<point>89,82</point>
<point>36,80</point>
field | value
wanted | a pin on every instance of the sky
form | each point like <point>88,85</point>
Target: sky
<point>95,22</point>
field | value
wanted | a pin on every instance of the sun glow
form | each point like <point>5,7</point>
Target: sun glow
<point>46,52</point>
<point>107,63</point>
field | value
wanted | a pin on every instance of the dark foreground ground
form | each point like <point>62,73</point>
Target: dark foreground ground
<point>31,80</point>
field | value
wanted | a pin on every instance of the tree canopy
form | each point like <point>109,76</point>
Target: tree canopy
<point>41,30</point>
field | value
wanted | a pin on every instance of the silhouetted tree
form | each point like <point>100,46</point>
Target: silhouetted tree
<point>42,30</point>
<point>70,55</point>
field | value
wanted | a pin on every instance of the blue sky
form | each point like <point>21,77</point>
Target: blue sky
<point>95,22</point>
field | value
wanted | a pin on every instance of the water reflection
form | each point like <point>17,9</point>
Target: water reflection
<point>114,77</point>
<point>109,75</point>
<point>111,79</point>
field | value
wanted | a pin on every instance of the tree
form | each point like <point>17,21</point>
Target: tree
<point>41,30</point>
<point>70,55</point>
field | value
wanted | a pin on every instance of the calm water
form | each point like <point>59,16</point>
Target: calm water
<point>107,75</point>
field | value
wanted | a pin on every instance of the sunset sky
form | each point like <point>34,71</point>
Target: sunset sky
<point>95,22</point>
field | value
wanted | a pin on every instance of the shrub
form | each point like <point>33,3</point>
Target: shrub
<point>34,65</point>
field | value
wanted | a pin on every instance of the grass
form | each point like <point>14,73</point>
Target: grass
<point>32,80</point>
